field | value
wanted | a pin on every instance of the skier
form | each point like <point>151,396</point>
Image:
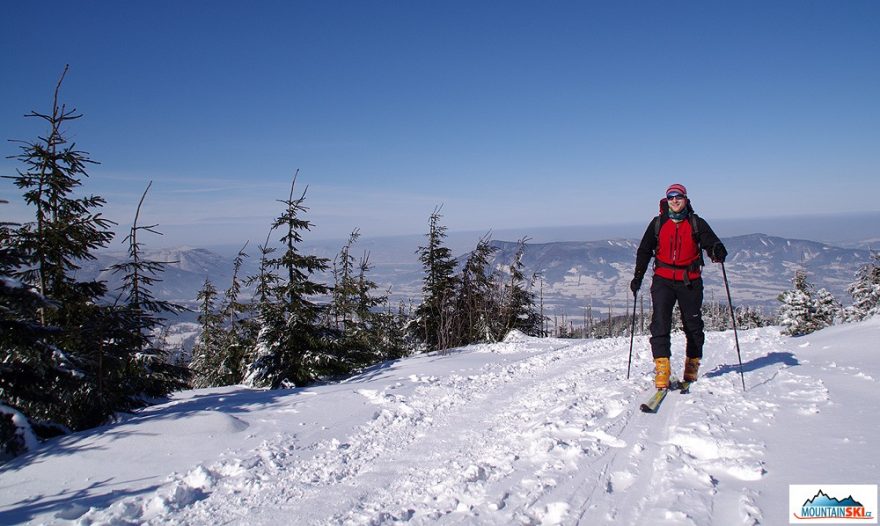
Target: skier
<point>674,239</point>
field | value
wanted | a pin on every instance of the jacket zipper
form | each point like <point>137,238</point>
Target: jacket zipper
<point>675,249</point>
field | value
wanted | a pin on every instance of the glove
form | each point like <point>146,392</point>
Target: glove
<point>635,284</point>
<point>719,253</point>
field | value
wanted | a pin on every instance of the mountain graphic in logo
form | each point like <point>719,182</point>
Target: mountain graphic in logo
<point>821,499</point>
<point>823,506</point>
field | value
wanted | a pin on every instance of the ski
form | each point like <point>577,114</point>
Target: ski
<point>653,403</point>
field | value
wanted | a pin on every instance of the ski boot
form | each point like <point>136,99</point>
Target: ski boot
<point>661,373</point>
<point>691,366</point>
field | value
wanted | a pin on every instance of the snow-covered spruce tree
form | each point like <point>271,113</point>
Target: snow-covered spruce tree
<point>518,308</point>
<point>795,314</point>
<point>351,322</point>
<point>369,336</point>
<point>826,309</point>
<point>390,326</point>
<point>147,371</point>
<point>345,289</point>
<point>239,332</point>
<point>66,231</point>
<point>208,353</point>
<point>716,316</point>
<point>24,347</point>
<point>227,335</point>
<point>750,318</point>
<point>366,303</point>
<point>264,283</point>
<point>366,300</point>
<point>432,324</point>
<point>804,309</point>
<point>477,302</point>
<point>865,291</point>
<point>290,348</point>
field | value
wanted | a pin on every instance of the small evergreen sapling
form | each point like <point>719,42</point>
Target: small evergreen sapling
<point>518,309</point>
<point>433,317</point>
<point>290,349</point>
<point>804,309</point>
<point>148,370</point>
<point>865,291</point>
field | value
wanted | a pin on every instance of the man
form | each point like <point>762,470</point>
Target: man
<point>675,239</point>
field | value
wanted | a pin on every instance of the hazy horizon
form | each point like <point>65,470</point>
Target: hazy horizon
<point>844,230</point>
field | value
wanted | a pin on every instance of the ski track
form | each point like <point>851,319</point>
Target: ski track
<point>530,441</point>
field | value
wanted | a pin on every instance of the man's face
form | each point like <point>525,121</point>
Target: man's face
<point>676,202</point>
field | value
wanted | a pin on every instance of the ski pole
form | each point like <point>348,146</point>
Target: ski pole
<point>733,321</point>
<point>632,335</point>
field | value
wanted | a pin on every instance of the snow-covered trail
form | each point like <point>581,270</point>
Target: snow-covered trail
<point>554,436</point>
<point>488,445</point>
<point>528,431</point>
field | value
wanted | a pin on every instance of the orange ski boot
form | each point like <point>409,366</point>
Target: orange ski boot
<point>661,373</point>
<point>691,366</point>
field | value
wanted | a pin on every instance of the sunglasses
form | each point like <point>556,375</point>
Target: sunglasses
<point>674,197</point>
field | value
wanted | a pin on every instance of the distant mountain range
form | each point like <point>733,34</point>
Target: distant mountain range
<point>759,267</point>
<point>185,272</point>
<point>573,275</point>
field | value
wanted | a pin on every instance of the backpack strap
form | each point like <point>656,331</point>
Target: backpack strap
<point>692,217</point>
<point>695,228</point>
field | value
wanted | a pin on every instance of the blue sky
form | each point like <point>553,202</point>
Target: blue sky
<point>509,114</point>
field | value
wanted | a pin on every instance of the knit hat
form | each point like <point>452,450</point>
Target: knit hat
<point>677,189</point>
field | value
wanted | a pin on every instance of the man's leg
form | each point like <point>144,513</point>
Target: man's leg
<point>690,302</point>
<point>662,300</point>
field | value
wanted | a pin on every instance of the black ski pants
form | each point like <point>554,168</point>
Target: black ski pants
<point>664,294</point>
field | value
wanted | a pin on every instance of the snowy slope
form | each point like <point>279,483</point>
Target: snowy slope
<point>526,431</point>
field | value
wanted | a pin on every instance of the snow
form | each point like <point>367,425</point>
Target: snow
<point>24,433</point>
<point>525,431</point>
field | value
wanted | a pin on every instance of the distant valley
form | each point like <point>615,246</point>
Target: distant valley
<point>574,275</point>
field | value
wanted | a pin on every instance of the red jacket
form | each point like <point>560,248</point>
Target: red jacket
<point>677,251</point>
<point>674,249</point>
